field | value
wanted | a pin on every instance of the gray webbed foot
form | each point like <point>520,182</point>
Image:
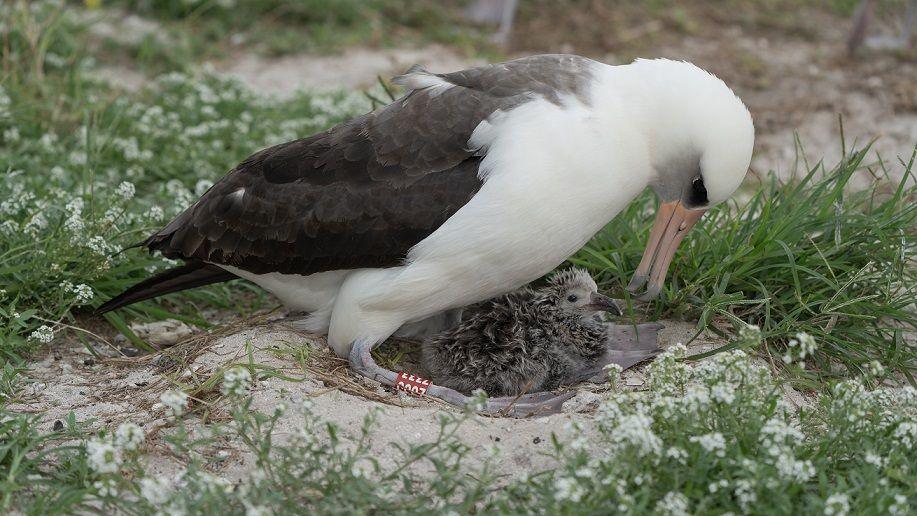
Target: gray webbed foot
<point>527,405</point>
<point>627,346</point>
<point>628,337</point>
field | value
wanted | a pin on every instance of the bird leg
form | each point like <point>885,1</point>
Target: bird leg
<point>524,405</point>
<point>627,345</point>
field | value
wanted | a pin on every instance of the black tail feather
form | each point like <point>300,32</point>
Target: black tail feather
<point>190,275</point>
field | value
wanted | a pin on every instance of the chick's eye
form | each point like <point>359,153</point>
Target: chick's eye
<point>572,298</point>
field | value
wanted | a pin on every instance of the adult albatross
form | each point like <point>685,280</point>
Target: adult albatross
<point>470,185</point>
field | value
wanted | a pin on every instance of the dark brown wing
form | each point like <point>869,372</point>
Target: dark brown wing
<point>363,193</point>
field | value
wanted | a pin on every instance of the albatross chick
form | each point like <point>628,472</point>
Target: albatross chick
<point>524,341</point>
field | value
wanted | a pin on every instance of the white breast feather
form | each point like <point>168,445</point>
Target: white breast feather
<point>551,181</point>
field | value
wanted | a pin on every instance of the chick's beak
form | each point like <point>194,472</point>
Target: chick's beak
<point>603,303</point>
<point>673,221</point>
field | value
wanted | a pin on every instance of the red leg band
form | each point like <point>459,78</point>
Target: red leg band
<point>411,384</point>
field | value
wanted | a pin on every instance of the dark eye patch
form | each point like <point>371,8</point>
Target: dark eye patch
<point>698,194</point>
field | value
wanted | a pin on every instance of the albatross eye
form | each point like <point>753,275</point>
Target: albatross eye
<point>698,192</point>
<point>572,298</point>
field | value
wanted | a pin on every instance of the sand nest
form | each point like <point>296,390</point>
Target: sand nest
<point>291,366</point>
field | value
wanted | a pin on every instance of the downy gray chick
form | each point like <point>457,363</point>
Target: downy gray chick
<point>524,341</point>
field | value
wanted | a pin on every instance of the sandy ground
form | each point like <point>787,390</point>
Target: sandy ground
<point>352,69</point>
<point>107,391</point>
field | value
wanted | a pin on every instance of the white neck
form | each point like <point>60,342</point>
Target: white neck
<point>686,117</point>
<point>643,96</point>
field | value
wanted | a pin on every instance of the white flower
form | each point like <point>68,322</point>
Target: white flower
<point>578,443</point>
<point>899,507</point>
<point>792,469</point>
<point>907,433</point>
<point>236,381</point>
<point>8,227</point>
<point>798,349</point>
<point>175,402</point>
<point>875,460</point>
<point>745,494</point>
<point>155,213</point>
<point>112,214</point>
<point>36,224</point>
<point>613,370</point>
<point>677,453</point>
<point>11,135</point>
<point>74,223</point>
<point>257,510</point>
<point>126,190</point>
<point>360,469</point>
<point>876,368</point>
<point>78,158</point>
<point>837,505</point>
<point>613,373</point>
<point>673,504</point>
<point>105,488</point>
<point>75,206</point>
<point>713,487</point>
<point>567,488</point>
<point>98,245</point>
<point>776,433</point>
<point>636,430</point>
<point>43,333</point>
<point>104,457</point>
<point>180,195</point>
<point>584,472</point>
<point>83,293</point>
<point>201,187</point>
<point>4,104</point>
<point>129,436</point>
<point>47,141</point>
<point>807,344</point>
<point>749,336</point>
<point>134,172</point>
<point>478,401</point>
<point>723,393</point>
<point>712,443</point>
<point>130,149</point>
<point>154,490</point>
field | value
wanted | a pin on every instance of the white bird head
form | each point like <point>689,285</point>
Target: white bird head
<point>700,138</point>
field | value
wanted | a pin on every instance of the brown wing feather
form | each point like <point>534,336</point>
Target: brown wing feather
<point>363,193</point>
